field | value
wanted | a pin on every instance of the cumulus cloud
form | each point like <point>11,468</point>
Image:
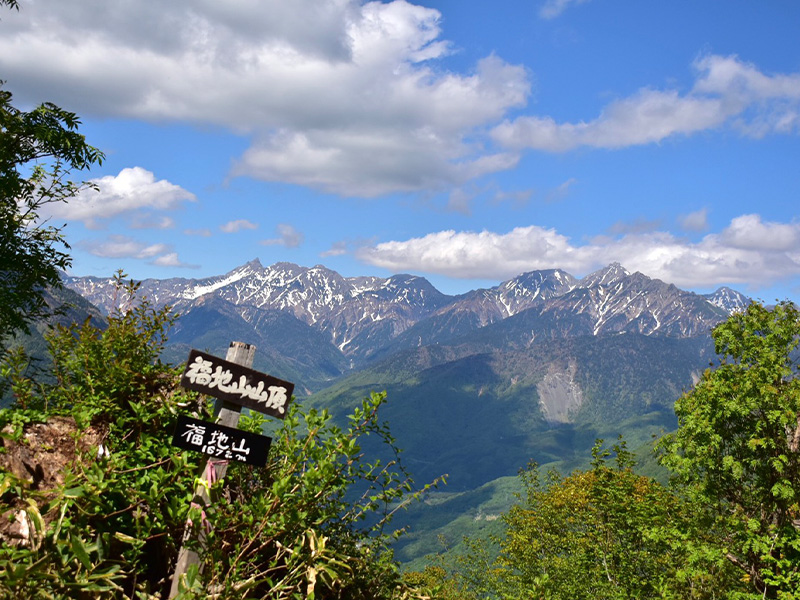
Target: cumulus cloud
<point>748,232</point>
<point>337,95</point>
<point>288,236</point>
<point>344,96</point>
<point>749,250</point>
<point>726,91</point>
<point>134,192</point>
<point>470,254</point>
<point>237,226</point>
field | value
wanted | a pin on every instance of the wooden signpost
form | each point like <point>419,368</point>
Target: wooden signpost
<point>218,441</point>
<point>235,385</point>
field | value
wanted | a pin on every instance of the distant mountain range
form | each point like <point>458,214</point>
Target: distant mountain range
<point>327,324</point>
<point>478,384</point>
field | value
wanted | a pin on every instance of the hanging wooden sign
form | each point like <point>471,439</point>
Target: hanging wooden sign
<point>236,384</point>
<point>220,442</point>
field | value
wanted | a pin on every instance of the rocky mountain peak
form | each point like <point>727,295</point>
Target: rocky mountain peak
<point>728,300</point>
<point>528,289</point>
<point>605,276</point>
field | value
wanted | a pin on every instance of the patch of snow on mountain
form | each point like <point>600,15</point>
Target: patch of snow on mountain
<point>728,300</point>
<point>194,292</point>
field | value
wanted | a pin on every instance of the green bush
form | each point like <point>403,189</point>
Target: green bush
<point>604,533</point>
<point>311,524</point>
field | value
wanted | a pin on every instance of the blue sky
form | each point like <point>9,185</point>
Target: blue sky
<point>463,141</point>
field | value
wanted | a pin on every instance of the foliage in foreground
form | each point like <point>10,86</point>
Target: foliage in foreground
<point>737,449</point>
<point>604,533</point>
<point>38,151</point>
<point>112,527</point>
<point>728,527</point>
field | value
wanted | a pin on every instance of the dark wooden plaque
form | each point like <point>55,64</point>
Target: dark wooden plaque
<point>239,385</point>
<point>220,442</point>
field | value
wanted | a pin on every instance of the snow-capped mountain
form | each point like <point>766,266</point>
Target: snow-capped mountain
<point>728,300</point>
<point>351,310</point>
<point>612,300</point>
<point>367,316</point>
<point>477,381</point>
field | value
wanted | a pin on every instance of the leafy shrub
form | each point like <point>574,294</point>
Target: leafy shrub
<point>109,523</point>
<point>604,533</point>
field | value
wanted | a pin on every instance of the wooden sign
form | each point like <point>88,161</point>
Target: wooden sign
<point>218,441</point>
<point>234,383</point>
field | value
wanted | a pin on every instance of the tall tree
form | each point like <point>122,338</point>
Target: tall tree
<point>737,449</point>
<point>38,151</point>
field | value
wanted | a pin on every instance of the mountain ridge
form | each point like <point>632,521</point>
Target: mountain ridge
<point>366,316</point>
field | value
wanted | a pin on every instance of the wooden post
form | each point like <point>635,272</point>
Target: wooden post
<point>226,413</point>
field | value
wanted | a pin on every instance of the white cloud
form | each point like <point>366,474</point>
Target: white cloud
<point>237,226</point>
<point>338,95</point>
<point>695,221</point>
<point>731,78</point>
<point>288,236</point>
<point>134,192</point>
<point>172,260</point>
<point>649,116</point>
<point>336,249</point>
<point>748,232</point>
<point>726,90</point>
<point>120,246</point>
<point>748,251</point>
<point>472,255</point>
<point>553,8</point>
<point>344,96</point>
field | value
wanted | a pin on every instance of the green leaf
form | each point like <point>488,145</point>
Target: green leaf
<point>75,492</point>
<point>81,553</point>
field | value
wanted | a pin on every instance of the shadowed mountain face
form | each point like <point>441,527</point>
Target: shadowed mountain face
<point>481,415</point>
<point>67,308</point>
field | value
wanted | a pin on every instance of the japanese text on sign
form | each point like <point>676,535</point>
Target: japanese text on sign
<point>218,441</point>
<point>199,372</point>
<point>222,379</point>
